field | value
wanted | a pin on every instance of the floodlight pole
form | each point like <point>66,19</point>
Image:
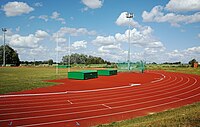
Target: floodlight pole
<point>129,16</point>
<point>69,55</point>
<point>57,53</point>
<point>4,48</point>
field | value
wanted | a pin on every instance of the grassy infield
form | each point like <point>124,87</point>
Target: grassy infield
<point>23,78</point>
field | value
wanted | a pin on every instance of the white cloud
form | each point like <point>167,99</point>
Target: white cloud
<point>142,38</point>
<point>41,34</point>
<point>109,48</point>
<point>19,41</point>
<point>93,4</point>
<point>198,35</point>
<point>61,34</point>
<point>17,29</point>
<point>56,16</point>
<point>183,5</point>
<point>101,40</point>
<point>29,41</point>
<point>16,8</point>
<point>79,45</point>
<point>39,50</point>
<point>44,17</point>
<point>38,4</point>
<point>183,55</point>
<point>193,50</point>
<point>123,21</point>
<point>32,17</point>
<point>157,15</point>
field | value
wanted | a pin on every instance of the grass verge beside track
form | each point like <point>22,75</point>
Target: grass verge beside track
<point>186,116</point>
<point>13,79</point>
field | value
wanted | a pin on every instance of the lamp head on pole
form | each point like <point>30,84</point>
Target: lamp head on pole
<point>129,15</point>
<point>4,29</point>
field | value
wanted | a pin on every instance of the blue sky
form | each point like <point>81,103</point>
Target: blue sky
<point>161,30</point>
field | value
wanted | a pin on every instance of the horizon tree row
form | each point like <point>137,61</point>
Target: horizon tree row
<point>76,58</point>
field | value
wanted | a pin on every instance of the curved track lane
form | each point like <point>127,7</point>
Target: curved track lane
<point>102,100</point>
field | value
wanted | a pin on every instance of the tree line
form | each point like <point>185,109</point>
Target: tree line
<point>49,62</point>
<point>83,59</point>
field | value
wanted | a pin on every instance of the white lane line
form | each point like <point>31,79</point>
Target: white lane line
<point>96,90</point>
<point>105,115</point>
<point>69,101</point>
<point>40,94</point>
<point>34,94</point>
<point>124,100</point>
<point>134,84</point>
<point>158,79</point>
<point>106,106</point>
<point>64,104</point>
<point>123,106</point>
<point>58,93</point>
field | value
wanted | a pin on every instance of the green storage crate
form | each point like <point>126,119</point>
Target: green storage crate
<point>83,75</point>
<point>107,72</point>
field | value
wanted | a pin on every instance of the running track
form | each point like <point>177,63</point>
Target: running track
<point>75,103</point>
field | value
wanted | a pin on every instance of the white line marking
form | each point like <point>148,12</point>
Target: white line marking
<point>34,94</point>
<point>98,101</point>
<point>58,93</point>
<point>106,106</point>
<point>123,106</point>
<point>135,84</point>
<point>57,104</point>
<point>95,90</point>
<point>77,123</point>
<point>142,102</point>
<point>69,101</point>
<point>112,114</point>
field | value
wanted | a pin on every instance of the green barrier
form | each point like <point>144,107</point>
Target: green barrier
<point>138,66</point>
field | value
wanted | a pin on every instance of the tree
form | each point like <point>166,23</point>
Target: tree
<point>50,62</point>
<point>191,62</point>
<point>11,56</point>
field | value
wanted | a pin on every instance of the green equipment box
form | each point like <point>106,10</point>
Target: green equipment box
<point>83,75</point>
<point>107,72</point>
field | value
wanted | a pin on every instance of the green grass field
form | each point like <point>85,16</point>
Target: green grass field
<point>14,79</point>
<point>186,116</point>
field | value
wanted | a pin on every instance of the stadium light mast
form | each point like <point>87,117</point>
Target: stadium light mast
<point>4,48</point>
<point>129,16</point>
<point>57,53</point>
<point>69,53</point>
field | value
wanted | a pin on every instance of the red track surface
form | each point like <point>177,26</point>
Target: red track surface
<point>105,99</point>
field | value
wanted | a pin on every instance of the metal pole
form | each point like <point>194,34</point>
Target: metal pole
<point>129,45</point>
<point>129,16</point>
<point>69,55</point>
<point>57,53</point>
<point>4,48</point>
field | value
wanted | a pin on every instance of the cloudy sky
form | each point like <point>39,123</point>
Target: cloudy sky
<point>160,30</point>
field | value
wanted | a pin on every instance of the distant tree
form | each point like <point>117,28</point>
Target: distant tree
<point>50,62</point>
<point>191,62</point>
<point>11,56</point>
